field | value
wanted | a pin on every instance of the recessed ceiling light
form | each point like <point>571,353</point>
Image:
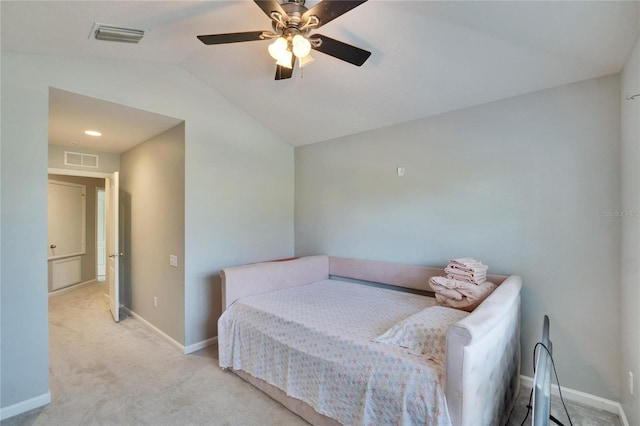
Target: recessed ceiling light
<point>92,133</point>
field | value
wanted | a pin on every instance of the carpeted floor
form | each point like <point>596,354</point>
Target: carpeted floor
<point>104,373</point>
<point>581,415</point>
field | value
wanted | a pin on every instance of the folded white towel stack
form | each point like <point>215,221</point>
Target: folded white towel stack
<point>467,269</point>
<point>465,285</point>
<point>466,262</point>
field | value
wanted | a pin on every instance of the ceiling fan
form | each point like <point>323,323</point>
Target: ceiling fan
<point>292,24</point>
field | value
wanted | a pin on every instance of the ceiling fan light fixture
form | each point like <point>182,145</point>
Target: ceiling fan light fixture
<point>285,59</point>
<point>278,48</point>
<point>305,60</point>
<point>301,46</point>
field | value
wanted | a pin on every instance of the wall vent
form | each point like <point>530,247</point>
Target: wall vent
<point>80,159</point>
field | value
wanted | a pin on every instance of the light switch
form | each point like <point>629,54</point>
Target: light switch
<point>173,260</point>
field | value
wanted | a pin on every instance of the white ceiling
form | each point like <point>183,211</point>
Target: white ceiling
<point>122,127</point>
<point>428,57</point>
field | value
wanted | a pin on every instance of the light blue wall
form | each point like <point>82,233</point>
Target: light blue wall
<point>238,203</point>
<point>24,364</point>
<point>522,184</point>
<point>152,214</point>
<point>630,207</point>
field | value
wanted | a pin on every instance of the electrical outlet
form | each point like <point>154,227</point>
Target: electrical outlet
<point>173,260</point>
<point>630,382</point>
<point>155,301</point>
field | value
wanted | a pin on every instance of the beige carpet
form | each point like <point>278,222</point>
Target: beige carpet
<point>102,373</point>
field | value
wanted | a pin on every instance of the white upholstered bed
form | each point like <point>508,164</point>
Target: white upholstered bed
<point>303,333</point>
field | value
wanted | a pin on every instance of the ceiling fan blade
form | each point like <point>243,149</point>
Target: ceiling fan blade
<point>284,72</point>
<point>231,37</point>
<point>337,49</point>
<point>328,10</point>
<point>269,6</point>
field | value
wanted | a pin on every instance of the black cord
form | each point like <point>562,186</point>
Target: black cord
<point>556,421</point>
<point>529,407</point>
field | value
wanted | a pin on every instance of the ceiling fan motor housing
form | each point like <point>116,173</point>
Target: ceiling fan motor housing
<point>292,24</point>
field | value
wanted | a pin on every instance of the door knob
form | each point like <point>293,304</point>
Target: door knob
<point>53,246</point>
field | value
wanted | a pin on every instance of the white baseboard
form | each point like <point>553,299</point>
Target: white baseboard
<point>582,398</point>
<point>623,417</point>
<point>161,333</point>
<point>71,287</point>
<point>200,345</point>
<point>184,349</point>
<point>24,406</point>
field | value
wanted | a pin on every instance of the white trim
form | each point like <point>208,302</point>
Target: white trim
<point>200,345</point>
<point>71,287</point>
<point>184,349</point>
<point>24,406</point>
<point>84,173</point>
<point>162,334</point>
<point>104,225</point>
<point>623,417</point>
<point>582,398</point>
<point>62,256</point>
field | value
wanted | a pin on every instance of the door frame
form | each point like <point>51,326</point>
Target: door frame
<point>79,173</point>
<point>82,173</point>
<point>104,220</point>
<point>112,219</point>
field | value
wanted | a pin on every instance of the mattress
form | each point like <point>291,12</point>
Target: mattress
<point>315,342</point>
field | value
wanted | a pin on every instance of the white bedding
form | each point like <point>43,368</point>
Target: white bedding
<point>315,343</point>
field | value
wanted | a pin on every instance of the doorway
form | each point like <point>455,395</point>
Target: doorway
<point>89,263</point>
<point>86,138</point>
<point>71,230</point>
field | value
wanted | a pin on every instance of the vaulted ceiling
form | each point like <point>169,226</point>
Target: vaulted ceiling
<point>428,57</point>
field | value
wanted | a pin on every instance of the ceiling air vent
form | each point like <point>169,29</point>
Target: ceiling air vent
<point>112,33</point>
<point>80,159</point>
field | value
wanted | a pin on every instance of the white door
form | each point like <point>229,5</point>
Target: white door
<point>113,249</point>
<point>101,244</point>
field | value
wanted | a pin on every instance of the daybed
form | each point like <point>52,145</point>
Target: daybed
<point>303,332</point>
